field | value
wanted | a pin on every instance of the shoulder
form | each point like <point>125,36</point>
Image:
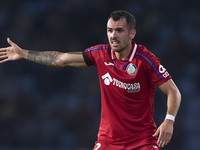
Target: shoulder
<point>145,54</point>
<point>153,63</point>
<point>98,52</point>
<point>98,48</point>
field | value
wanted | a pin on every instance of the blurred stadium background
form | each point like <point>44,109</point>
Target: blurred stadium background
<point>44,108</point>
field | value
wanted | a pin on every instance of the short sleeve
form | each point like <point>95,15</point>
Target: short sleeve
<point>87,59</point>
<point>158,73</point>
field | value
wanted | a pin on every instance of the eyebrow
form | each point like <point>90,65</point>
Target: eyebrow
<point>115,28</point>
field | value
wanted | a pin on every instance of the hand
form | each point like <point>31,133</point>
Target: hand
<point>10,53</point>
<point>165,131</point>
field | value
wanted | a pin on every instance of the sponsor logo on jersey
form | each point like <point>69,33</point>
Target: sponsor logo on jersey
<point>108,64</point>
<point>131,69</point>
<point>163,71</point>
<point>155,147</point>
<point>130,87</point>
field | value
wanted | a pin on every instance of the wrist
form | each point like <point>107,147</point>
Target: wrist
<point>24,53</point>
<point>170,117</point>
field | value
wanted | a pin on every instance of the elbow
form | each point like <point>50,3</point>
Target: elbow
<point>59,63</point>
<point>62,65</point>
<point>178,97</point>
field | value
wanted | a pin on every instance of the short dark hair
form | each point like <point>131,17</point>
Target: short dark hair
<point>118,14</point>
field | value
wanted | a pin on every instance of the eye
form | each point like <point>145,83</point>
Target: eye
<point>110,30</point>
<point>120,30</point>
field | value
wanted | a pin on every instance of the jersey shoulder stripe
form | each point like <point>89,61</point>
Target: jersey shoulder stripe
<point>98,47</point>
<point>152,65</point>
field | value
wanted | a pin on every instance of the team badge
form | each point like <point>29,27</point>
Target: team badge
<point>131,69</point>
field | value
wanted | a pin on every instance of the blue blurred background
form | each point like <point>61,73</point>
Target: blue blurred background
<point>44,108</point>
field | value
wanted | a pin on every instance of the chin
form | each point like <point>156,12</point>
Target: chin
<point>116,49</point>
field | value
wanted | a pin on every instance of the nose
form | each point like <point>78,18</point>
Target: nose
<point>114,34</point>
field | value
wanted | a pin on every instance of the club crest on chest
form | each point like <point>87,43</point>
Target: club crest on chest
<point>131,69</point>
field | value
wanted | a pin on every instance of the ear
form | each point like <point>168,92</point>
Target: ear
<point>132,33</point>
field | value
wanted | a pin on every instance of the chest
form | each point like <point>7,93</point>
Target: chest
<point>122,75</point>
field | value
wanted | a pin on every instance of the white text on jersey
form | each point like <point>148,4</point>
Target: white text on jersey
<point>130,87</point>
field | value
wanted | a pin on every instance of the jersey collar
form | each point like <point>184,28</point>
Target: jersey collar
<point>130,56</point>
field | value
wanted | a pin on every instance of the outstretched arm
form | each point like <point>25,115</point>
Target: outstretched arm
<point>49,58</point>
<point>165,130</point>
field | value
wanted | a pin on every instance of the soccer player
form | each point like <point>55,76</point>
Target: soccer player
<point>128,75</point>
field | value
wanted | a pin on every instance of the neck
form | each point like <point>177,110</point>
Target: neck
<point>125,52</point>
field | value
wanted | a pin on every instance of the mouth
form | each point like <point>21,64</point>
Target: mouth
<point>115,43</point>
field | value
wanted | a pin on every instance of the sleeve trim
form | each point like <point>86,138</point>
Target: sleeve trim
<point>87,59</point>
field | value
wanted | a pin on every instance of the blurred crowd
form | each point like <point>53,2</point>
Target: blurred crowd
<point>45,108</point>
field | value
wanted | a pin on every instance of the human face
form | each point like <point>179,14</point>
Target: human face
<point>119,35</point>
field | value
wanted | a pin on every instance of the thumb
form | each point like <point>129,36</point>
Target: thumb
<point>10,42</point>
<point>156,133</point>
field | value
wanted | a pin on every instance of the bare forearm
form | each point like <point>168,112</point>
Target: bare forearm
<point>55,58</point>
<point>173,103</point>
<point>173,96</point>
<point>49,58</point>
